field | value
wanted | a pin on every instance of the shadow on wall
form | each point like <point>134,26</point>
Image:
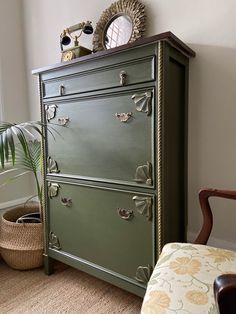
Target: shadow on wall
<point>212,133</point>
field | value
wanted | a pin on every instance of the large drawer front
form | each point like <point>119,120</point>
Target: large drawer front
<point>127,73</point>
<point>113,229</point>
<point>96,143</point>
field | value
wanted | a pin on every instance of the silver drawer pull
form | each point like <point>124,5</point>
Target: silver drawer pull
<point>61,90</point>
<point>66,201</point>
<point>123,77</point>
<point>124,116</point>
<point>63,121</point>
<point>126,214</point>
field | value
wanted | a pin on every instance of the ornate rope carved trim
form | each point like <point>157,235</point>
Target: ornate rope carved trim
<point>44,192</point>
<point>159,145</point>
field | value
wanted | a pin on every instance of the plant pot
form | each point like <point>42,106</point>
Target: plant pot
<point>21,244</point>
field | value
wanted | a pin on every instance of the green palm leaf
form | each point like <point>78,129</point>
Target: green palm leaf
<point>10,133</point>
<point>25,164</point>
<point>10,141</point>
<point>19,147</point>
<point>31,161</point>
<point>2,150</point>
<point>5,145</point>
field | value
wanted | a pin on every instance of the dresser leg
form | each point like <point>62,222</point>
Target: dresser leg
<point>48,265</point>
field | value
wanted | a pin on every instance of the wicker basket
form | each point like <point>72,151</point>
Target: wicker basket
<point>21,244</point>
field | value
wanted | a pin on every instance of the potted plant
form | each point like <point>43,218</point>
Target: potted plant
<point>21,232</point>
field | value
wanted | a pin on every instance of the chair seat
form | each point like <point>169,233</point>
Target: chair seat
<point>182,280</point>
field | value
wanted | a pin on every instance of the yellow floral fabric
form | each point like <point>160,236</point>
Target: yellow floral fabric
<point>182,281</point>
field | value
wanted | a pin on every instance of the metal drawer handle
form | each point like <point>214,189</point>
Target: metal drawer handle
<point>126,214</point>
<point>124,116</point>
<point>63,121</point>
<point>123,77</point>
<point>61,90</point>
<point>66,201</point>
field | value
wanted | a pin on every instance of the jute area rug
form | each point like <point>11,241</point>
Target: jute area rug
<point>67,290</point>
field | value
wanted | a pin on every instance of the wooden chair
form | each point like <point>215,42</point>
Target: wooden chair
<point>194,278</point>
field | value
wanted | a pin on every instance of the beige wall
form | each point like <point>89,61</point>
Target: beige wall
<point>208,27</point>
<point>13,85</point>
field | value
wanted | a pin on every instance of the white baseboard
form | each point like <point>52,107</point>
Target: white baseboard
<point>12,203</point>
<point>216,242</point>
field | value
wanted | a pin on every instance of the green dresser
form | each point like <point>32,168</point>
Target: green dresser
<point>115,175</point>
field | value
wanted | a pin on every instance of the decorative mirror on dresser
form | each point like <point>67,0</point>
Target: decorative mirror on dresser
<point>123,22</point>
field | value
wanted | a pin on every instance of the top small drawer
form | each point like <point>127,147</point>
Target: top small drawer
<point>122,74</point>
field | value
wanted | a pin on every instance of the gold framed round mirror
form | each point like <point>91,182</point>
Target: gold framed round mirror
<point>123,22</point>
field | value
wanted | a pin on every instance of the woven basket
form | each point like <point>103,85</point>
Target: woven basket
<point>21,244</point>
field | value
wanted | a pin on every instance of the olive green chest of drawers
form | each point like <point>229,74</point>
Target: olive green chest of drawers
<point>115,176</point>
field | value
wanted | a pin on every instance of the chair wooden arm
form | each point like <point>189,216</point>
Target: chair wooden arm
<point>225,292</point>
<point>224,285</point>
<point>204,195</point>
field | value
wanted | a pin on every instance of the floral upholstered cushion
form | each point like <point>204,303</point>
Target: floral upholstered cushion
<point>182,281</point>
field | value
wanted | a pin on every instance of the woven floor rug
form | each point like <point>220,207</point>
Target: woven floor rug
<point>67,290</point>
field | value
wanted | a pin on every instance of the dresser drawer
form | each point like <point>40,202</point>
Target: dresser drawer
<point>97,144</point>
<point>112,229</point>
<point>127,73</point>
